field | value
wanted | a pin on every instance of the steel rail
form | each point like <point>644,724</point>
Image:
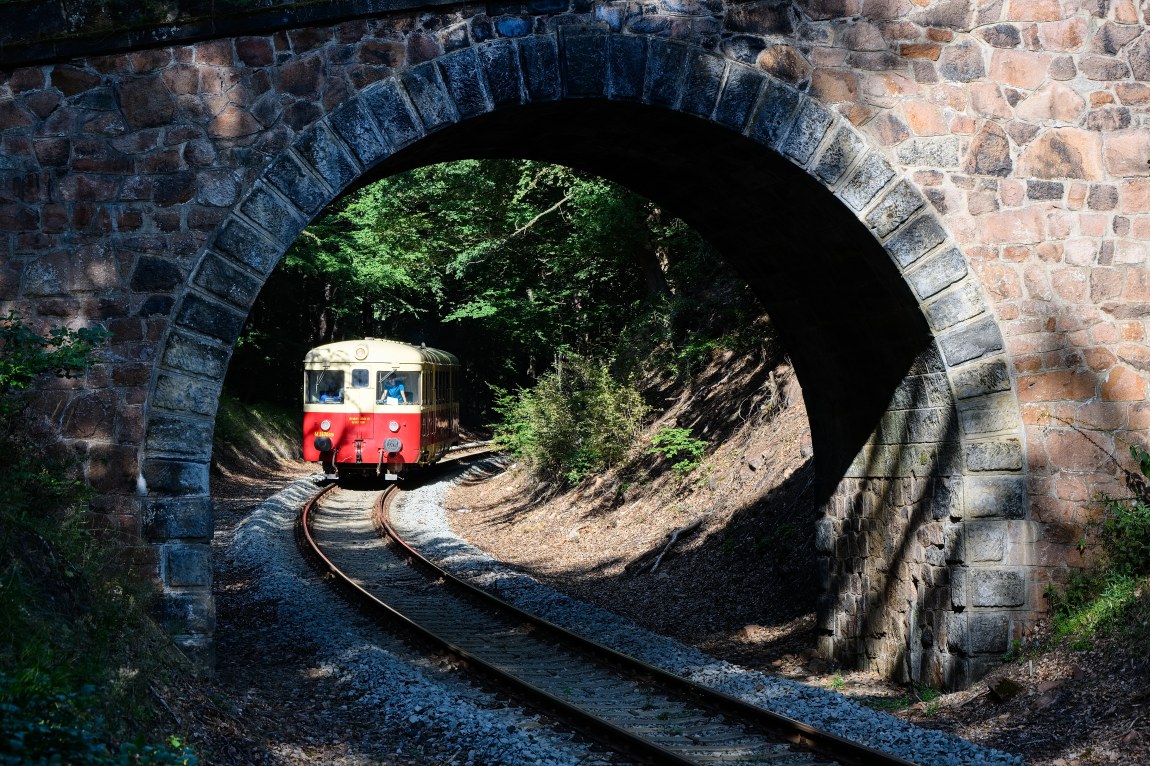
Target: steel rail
<point>631,744</point>
<point>822,742</point>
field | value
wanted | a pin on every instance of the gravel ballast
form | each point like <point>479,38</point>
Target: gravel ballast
<point>419,515</point>
<point>433,710</point>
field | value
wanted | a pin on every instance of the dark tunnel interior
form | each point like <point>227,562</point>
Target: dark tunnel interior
<point>845,315</point>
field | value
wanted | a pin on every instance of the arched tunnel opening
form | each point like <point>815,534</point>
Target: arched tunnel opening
<point>843,314</point>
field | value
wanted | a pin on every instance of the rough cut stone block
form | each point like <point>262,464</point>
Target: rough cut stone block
<point>182,394</point>
<point>988,415</point>
<point>319,148</point>
<point>186,565</point>
<point>539,58</point>
<point>915,240</point>
<point>244,245</point>
<point>740,93</point>
<point>461,75</point>
<point>872,176</point>
<point>428,95</point>
<point>957,638</point>
<point>844,149</point>
<point>704,82</point>
<point>304,191</point>
<point>665,72</point>
<point>392,114</point>
<point>928,362</point>
<point>896,206</point>
<point>810,126</point>
<point>946,498</point>
<point>926,426</point>
<point>272,214</point>
<point>825,536</point>
<point>584,61</point>
<point>210,318</point>
<point>190,354</point>
<point>501,65</point>
<point>179,436</point>
<point>152,274</point>
<point>989,633</point>
<point>939,152</point>
<point>995,497</point>
<point>175,477</point>
<point>997,455</point>
<point>188,612</point>
<point>958,587</point>
<point>775,113</point>
<point>958,305</point>
<point>997,587</point>
<point>917,391</point>
<point>985,541</point>
<point>354,125</point>
<point>626,66</point>
<point>977,339</point>
<point>182,517</point>
<point>982,378</point>
<point>225,281</point>
<point>937,273</point>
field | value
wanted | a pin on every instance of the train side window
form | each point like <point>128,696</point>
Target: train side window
<point>396,387</point>
<point>360,379</point>
<point>324,386</point>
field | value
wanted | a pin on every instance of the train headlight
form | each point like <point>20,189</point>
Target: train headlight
<point>393,426</point>
<point>325,425</point>
<point>392,445</point>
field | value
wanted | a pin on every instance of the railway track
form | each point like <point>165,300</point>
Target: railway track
<point>636,709</point>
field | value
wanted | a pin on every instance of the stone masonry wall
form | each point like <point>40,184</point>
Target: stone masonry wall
<point>1025,125</point>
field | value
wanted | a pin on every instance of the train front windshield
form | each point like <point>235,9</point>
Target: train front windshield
<point>324,386</point>
<point>397,387</point>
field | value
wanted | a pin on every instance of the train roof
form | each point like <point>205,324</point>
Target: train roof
<point>376,351</point>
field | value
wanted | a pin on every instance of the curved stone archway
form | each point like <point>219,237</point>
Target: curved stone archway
<point>924,545</point>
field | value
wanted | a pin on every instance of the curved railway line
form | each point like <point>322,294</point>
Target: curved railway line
<point>636,709</point>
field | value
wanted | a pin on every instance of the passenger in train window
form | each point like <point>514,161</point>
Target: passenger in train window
<point>394,388</point>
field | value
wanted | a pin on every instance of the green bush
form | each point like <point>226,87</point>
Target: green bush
<point>1107,597</point>
<point>677,444</point>
<point>577,420</point>
<point>72,618</point>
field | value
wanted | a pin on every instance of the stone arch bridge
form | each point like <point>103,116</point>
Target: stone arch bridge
<point>944,205</point>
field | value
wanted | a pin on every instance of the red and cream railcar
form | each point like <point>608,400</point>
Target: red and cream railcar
<point>376,406</point>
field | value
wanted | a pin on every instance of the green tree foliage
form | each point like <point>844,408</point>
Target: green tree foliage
<point>70,612</point>
<point>505,262</point>
<point>579,419</point>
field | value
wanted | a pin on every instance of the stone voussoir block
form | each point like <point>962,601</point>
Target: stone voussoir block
<point>970,341</point>
<point>208,317</point>
<point>894,208</point>
<point>666,72</point>
<point>739,95</point>
<point>184,565</point>
<point>914,240</point>
<point>500,61</point>
<point>196,355</point>
<point>995,497</point>
<point>997,587</point>
<point>352,122</point>
<point>179,436</point>
<point>915,391</point>
<point>626,67</point>
<point>704,83</point>
<point>1002,454</point>
<point>937,272</point>
<point>584,57</point>
<point>989,414</point>
<point>811,125</point>
<point>274,214</point>
<point>287,174</point>
<point>167,518</point>
<point>463,77</point>
<point>428,94</point>
<point>840,153</point>
<point>539,60</point>
<point>221,278</point>
<point>333,164</point>
<point>955,306</point>
<point>393,115</point>
<point>171,477</point>
<point>775,113</point>
<point>243,244</point>
<point>868,179</point>
<point>182,393</point>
